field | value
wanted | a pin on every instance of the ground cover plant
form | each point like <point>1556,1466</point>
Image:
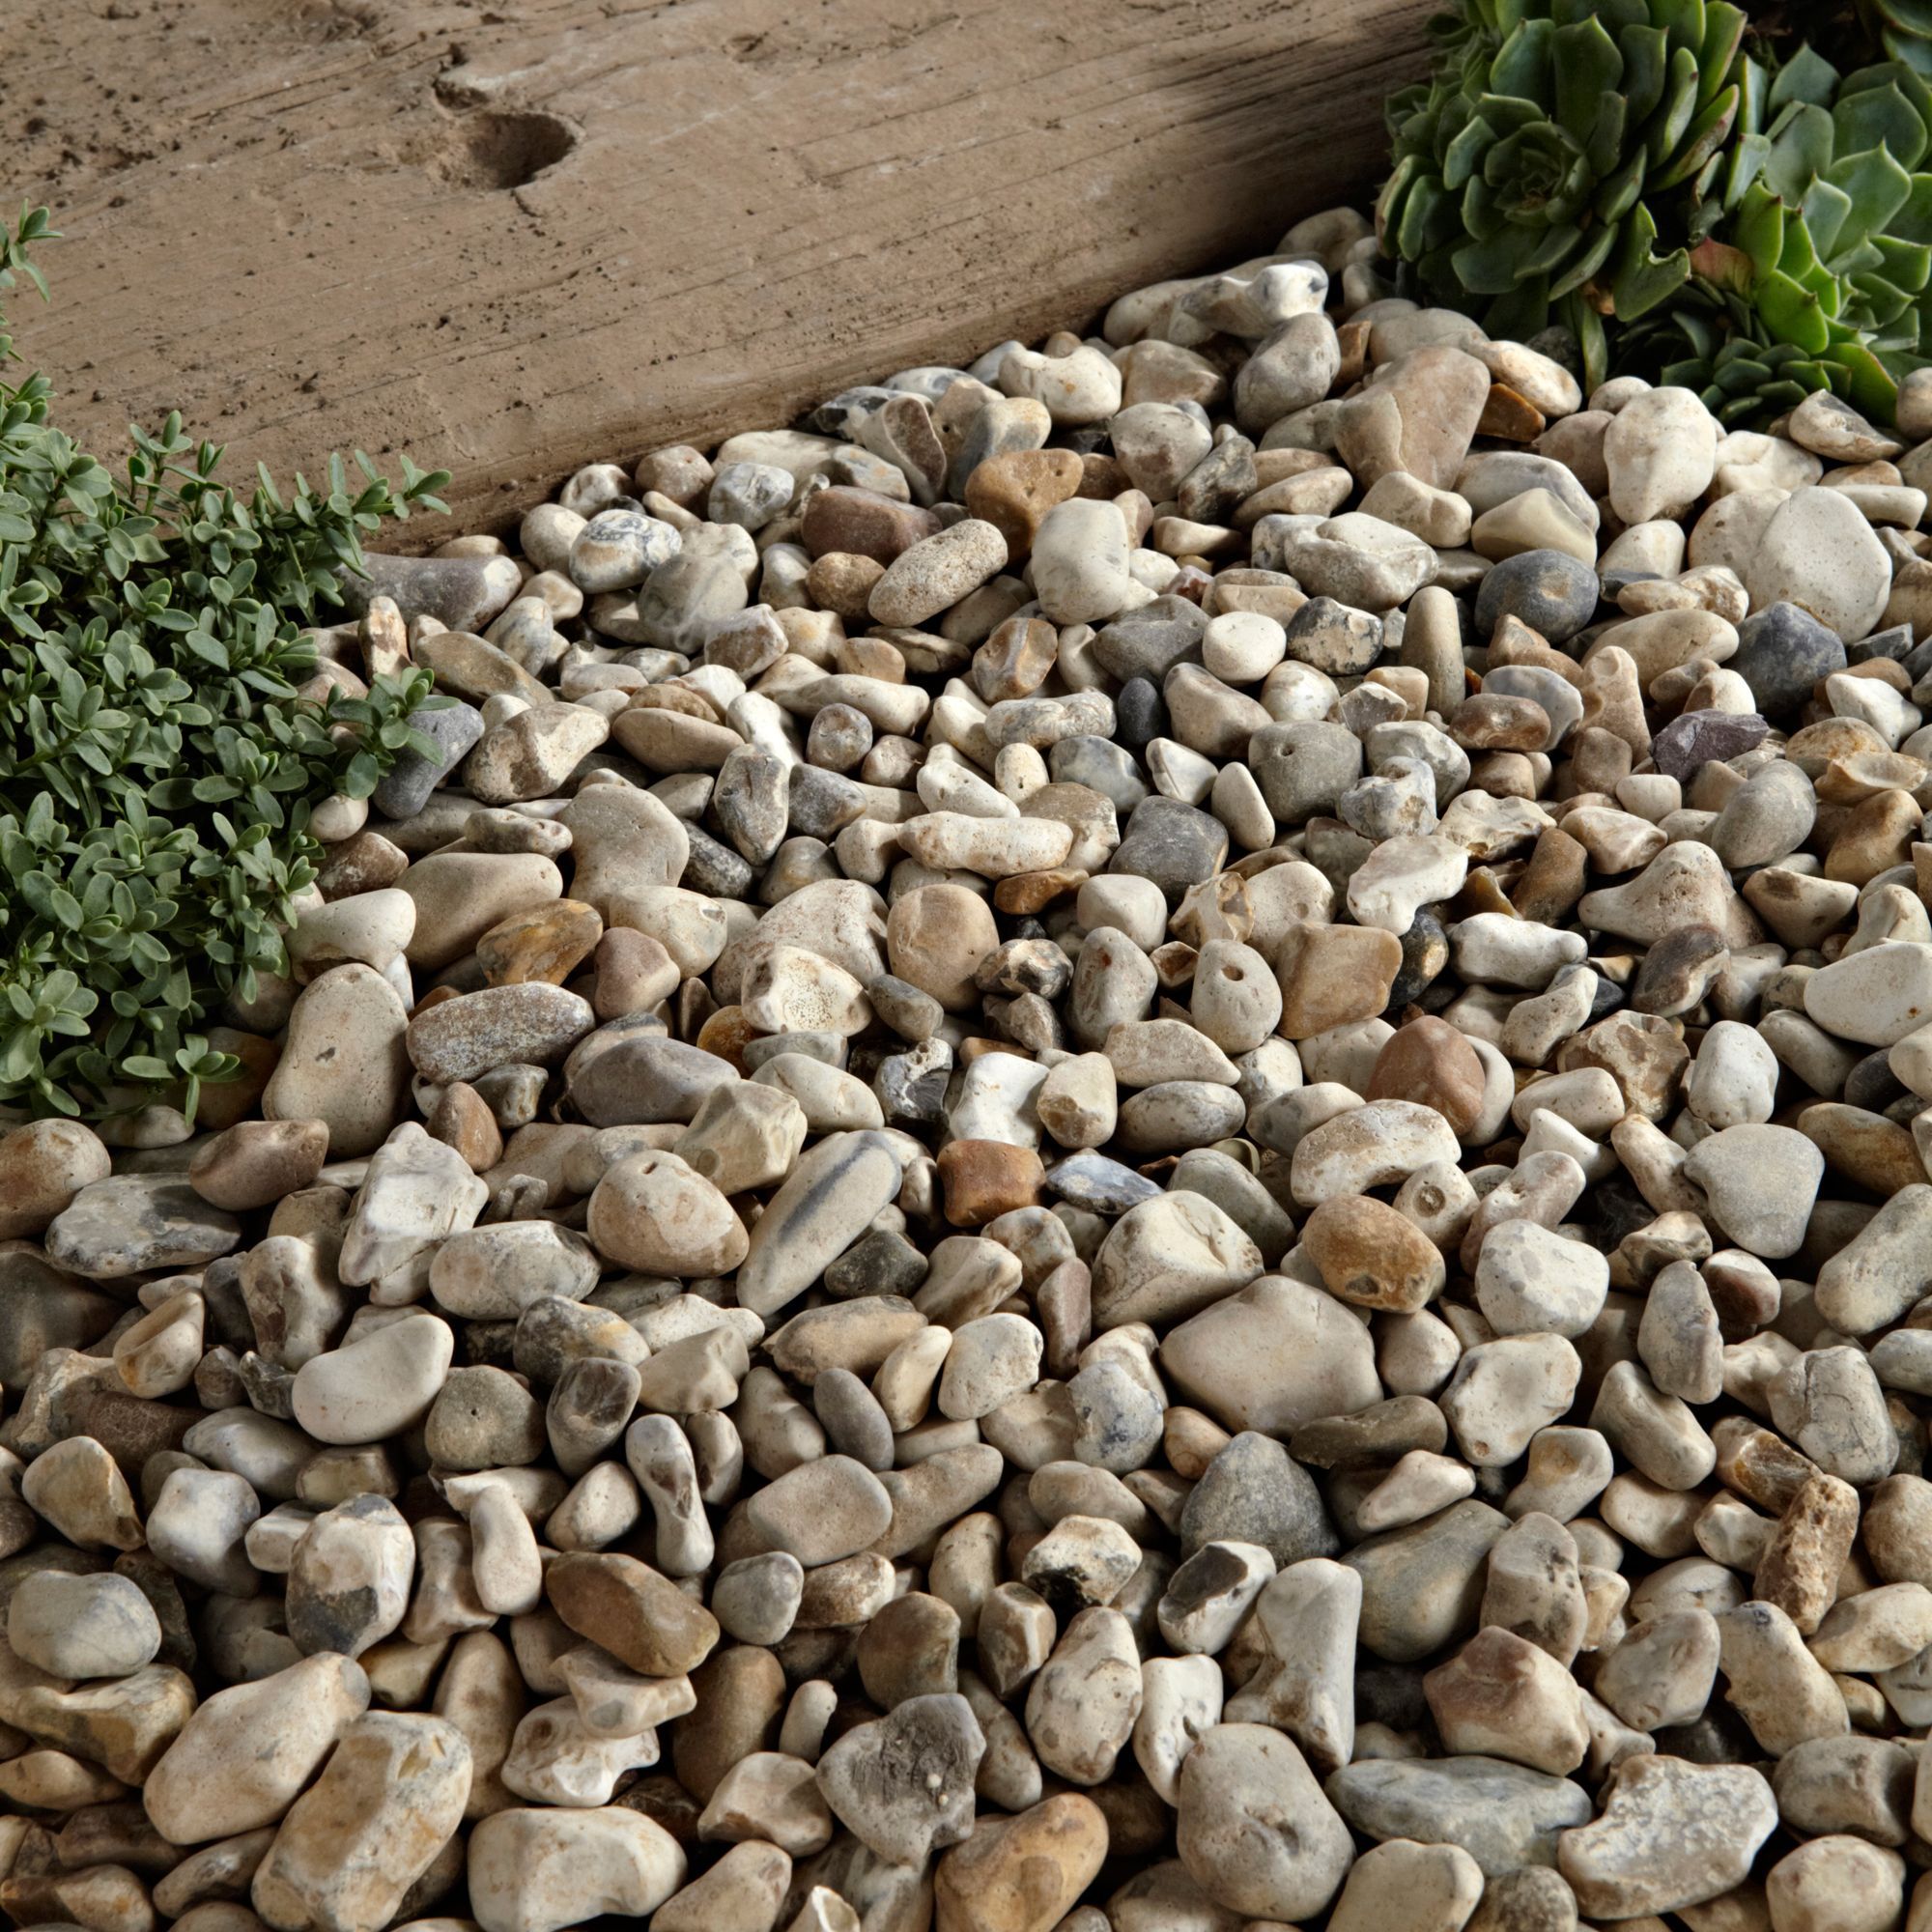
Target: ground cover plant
<point>158,756</point>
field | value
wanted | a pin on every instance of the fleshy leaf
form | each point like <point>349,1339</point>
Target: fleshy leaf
<point>1913,220</point>
<point>1585,66</point>
<point>1521,66</point>
<point>1493,267</point>
<point>1646,66</point>
<point>1723,34</point>
<point>1806,77</point>
<point>1643,279</point>
<point>1877,188</point>
<point>1908,264</point>
<point>1680,103</point>
<point>1880,117</point>
<point>1586,265</point>
<point>1871,389</point>
<point>1707,134</point>
<point>1792,312</point>
<point>1463,159</point>
<point>1801,149</point>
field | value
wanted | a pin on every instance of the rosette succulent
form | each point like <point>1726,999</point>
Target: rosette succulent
<point>1817,269</point>
<point>1534,169</point>
<point>1903,28</point>
<point>1634,173</point>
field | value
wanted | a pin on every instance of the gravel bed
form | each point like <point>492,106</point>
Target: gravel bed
<point>1135,1140</point>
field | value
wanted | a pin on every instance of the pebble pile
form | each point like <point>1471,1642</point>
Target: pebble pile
<point>1136,1142</point>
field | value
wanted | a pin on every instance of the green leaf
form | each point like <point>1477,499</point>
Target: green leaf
<point>1877,188</point>
<point>1643,279</point>
<point>1880,117</point>
<point>1680,104</point>
<point>1792,312</point>
<point>1521,66</point>
<point>1585,67</point>
<point>157,776</point>
<point>1806,77</point>
<point>1724,36</point>
<point>1462,159</point>
<point>1706,135</point>
<point>1618,193</point>
<point>1802,146</point>
<point>1682,19</point>
<point>1827,209</point>
<point>1585,266</point>
<point>1646,70</point>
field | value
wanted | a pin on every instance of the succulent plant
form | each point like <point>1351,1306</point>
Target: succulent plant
<point>1827,231</point>
<point>1903,28</point>
<point>1531,169</point>
<point>1709,340</point>
<point>1634,173</point>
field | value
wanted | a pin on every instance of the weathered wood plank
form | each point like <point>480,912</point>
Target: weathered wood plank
<point>514,238</point>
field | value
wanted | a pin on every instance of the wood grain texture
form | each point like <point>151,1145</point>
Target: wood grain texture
<point>513,237</point>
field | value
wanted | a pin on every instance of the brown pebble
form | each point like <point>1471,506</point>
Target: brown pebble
<point>1490,722</point>
<point>223,1102</point>
<point>1024,893</point>
<point>1871,1150</point>
<point>1429,1062</point>
<point>985,1179</point>
<point>462,1119</point>
<point>728,1032</point>
<point>1014,660</point>
<point>548,942</point>
<point>634,972</point>
<point>861,522</point>
<point>843,583</point>
<point>1873,837</point>
<point>254,1163</point>
<point>1760,1467</point>
<point>1511,417</point>
<point>936,936</point>
<point>1800,1569</point>
<point>1552,881</point>
<point>741,1696</point>
<point>1332,974</point>
<point>364,863</point>
<point>1014,491</point>
<point>1023,1873</point>
<point>1371,1256</point>
<point>641,1618</point>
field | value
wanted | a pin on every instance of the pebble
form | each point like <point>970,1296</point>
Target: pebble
<point>1818,552</point>
<point>43,1166</point>
<point>248,1750</point>
<point>1023,1873</point>
<point>131,1224</point>
<point>389,1800</point>
<point>1661,453</point>
<point>1672,1834</point>
<point>539,1870</point>
<point>1080,563</point>
<point>375,1387</point>
<point>73,1626</point>
<point>1504,1815</point>
<point>344,1062</point>
<point>1254,1828</point>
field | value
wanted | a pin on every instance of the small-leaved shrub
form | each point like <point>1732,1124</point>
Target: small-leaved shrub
<point>158,767</point>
